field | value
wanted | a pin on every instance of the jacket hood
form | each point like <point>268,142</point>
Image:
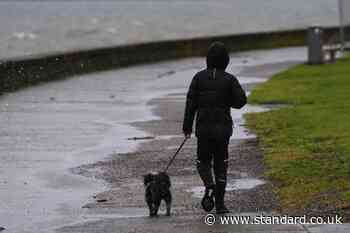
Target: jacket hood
<point>217,56</point>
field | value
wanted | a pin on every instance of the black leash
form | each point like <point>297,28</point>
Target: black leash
<point>178,150</point>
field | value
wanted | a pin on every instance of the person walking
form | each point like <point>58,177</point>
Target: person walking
<point>211,95</point>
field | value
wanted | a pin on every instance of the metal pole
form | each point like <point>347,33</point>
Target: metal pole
<point>341,23</point>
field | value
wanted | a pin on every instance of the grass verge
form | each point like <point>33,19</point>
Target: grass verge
<point>307,144</point>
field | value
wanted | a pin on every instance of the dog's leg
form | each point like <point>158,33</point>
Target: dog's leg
<point>168,200</point>
<point>149,200</point>
<point>154,210</point>
<point>150,207</point>
<point>156,207</point>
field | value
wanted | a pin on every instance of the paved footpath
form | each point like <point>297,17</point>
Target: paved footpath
<point>52,132</point>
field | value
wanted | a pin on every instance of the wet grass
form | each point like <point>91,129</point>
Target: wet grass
<point>307,145</point>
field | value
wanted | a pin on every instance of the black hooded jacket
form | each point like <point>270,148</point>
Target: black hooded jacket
<point>211,95</point>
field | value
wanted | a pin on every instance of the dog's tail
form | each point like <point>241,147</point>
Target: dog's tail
<point>147,179</point>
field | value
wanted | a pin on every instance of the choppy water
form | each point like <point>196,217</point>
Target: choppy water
<point>35,27</point>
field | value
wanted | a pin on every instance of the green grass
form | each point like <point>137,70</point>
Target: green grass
<point>307,144</point>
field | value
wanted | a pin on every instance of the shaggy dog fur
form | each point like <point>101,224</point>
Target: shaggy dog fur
<point>157,188</point>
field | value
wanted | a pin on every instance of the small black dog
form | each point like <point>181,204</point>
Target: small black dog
<point>157,189</point>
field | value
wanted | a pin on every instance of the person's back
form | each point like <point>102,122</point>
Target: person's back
<point>214,91</point>
<point>211,95</point>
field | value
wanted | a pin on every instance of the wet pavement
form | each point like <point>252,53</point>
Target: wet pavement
<point>50,132</point>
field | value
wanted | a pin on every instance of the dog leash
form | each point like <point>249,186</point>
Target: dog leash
<point>178,150</point>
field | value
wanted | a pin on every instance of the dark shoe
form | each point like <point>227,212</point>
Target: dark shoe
<point>219,198</point>
<point>208,199</point>
<point>221,209</point>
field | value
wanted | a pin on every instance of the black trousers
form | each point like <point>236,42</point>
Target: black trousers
<point>212,153</point>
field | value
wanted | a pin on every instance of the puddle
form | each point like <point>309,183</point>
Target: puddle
<point>243,184</point>
<point>120,213</point>
<point>176,97</point>
<point>247,80</point>
<point>106,213</point>
<point>240,131</point>
<point>237,184</point>
<point>184,147</point>
<point>168,137</point>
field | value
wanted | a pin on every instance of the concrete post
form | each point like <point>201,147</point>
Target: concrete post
<point>341,22</point>
<point>315,43</point>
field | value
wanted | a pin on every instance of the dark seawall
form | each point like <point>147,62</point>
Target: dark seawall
<point>22,72</point>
